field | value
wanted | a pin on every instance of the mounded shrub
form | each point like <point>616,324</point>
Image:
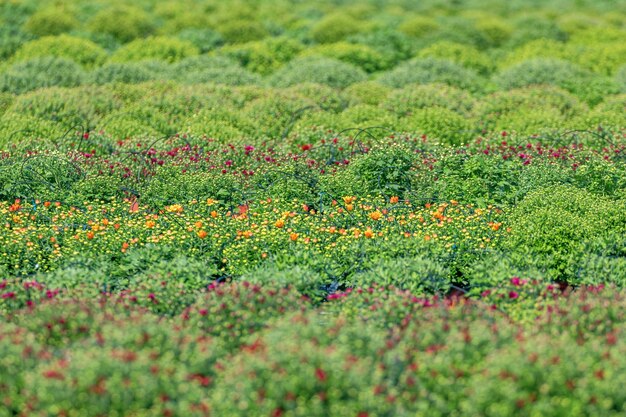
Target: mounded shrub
<point>204,39</point>
<point>41,72</point>
<point>264,56</point>
<point>331,72</point>
<point>124,22</point>
<point>468,56</point>
<point>78,50</point>
<point>439,123</point>
<point>359,55</point>
<point>431,70</point>
<point>403,102</point>
<point>367,92</point>
<point>128,73</point>
<point>241,31</point>
<point>335,27</point>
<point>210,69</point>
<point>155,48</point>
<point>51,21</point>
<point>588,86</point>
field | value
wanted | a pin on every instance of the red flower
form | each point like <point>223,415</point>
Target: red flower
<point>320,374</point>
<point>306,147</point>
<point>52,374</point>
<point>513,295</point>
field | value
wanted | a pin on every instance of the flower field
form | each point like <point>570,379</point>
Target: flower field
<point>289,209</point>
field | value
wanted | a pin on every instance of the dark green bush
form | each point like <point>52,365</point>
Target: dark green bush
<point>129,73</point>
<point>430,70</point>
<point>204,39</point>
<point>588,86</point>
<point>41,72</point>
<point>359,55</point>
<point>263,56</point>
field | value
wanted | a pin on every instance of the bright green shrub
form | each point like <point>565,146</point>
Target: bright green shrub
<point>574,22</point>
<point>430,70</point>
<point>331,72</point>
<point>5,101</point>
<point>26,131</point>
<point>157,48</point>
<point>394,46</point>
<point>123,22</point>
<point>584,84</point>
<point>367,92</point>
<point>241,31</point>
<point>458,29</point>
<point>366,115</point>
<point>335,27</point>
<point>550,226</point>
<point>204,39</point>
<point>220,124</point>
<point>602,57</point>
<point>405,101</point>
<point>439,123</point>
<point>465,55</point>
<point>51,21</point>
<point>79,50</point>
<point>419,26</point>
<point>41,72</point>
<point>359,55</point>
<point>304,279</point>
<point>324,97</point>
<point>263,56</point>
<point>273,115</point>
<point>495,30</point>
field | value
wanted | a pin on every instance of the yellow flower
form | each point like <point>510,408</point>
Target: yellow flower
<point>210,201</point>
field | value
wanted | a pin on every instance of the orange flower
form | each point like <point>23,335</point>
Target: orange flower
<point>369,233</point>
<point>214,214</point>
<point>247,234</point>
<point>280,223</point>
<point>150,224</point>
<point>198,225</point>
<point>375,215</point>
<point>348,199</point>
<point>349,207</point>
<point>46,204</point>
<point>293,236</point>
<point>427,237</point>
<point>357,233</point>
<point>202,234</point>
<point>394,199</point>
<point>90,235</point>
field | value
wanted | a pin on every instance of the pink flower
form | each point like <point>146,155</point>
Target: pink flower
<point>8,295</point>
<point>513,295</point>
<point>320,374</point>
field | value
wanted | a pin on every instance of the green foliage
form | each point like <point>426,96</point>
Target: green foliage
<point>419,26</point>
<point>155,48</point>
<point>590,88</point>
<point>465,55</point>
<point>367,92</point>
<point>263,56</point>
<point>553,223</point>
<point>79,50</point>
<point>240,31</point>
<point>331,72</point>
<point>204,39</point>
<point>130,73</point>
<point>406,101</point>
<point>51,21</point>
<point>124,22</point>
<point>359,55</point>
<point>420,276</point>
<point>41,72</point>
<point>335,27</point>
<point>431,70</point>
<point>439,123</point>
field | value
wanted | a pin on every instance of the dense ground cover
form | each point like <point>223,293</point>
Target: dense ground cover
<point>285,209</point>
